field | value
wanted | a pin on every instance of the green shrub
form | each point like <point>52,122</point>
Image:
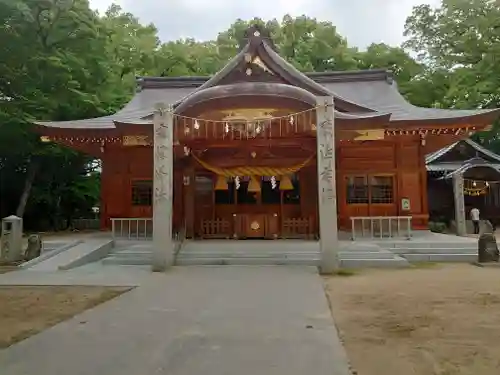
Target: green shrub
<point>437,227</point>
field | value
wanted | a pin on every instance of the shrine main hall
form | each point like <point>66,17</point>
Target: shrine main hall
<point>261,150</point>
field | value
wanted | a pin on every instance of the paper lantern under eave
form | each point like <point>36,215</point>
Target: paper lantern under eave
<point>253,185</point>
<point>221,183</point>
<point>285,183</point>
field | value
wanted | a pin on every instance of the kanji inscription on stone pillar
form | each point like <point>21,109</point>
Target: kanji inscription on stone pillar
<point>327,195</point>
<point>458,193</point>
<point>163,246</point>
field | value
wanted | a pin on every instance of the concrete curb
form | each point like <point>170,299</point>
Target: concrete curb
<point>49,254</point>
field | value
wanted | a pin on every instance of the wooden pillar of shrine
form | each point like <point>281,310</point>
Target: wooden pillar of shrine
<point>458,194</point>
<point>189,181</point>
<point>163,245</point>
<point>327,195</point>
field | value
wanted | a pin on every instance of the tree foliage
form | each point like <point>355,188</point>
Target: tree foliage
<point>459,43</point>
<point>60,60</point>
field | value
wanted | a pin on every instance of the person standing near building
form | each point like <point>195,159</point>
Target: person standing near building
<point>474,216</point>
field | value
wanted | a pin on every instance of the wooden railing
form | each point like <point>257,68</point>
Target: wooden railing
<point>297,228</point>
<point>132,228</point>
<point>216,228</point>
<point>186,129</point>
<point>381,227</point>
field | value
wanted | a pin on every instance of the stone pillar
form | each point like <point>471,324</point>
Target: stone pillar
<point>458,193</point>
<point>11,242</point>
<point>327,195</point>
<point>163,245</point>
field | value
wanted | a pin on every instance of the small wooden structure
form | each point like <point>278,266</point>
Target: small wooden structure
<point>245,147</point>
<point>480,170</point>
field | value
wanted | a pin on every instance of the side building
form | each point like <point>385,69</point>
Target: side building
<point>480,169</point>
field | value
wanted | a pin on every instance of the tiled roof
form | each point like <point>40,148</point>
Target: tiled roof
<point>371,93</point>
<point>434,156</point>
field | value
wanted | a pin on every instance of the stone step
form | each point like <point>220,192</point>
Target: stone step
<point>374,263</point>
<point>428,245</point>
<point>127,261</point>
<point>246,261</point>
<point>440,257</point>
<point>366,255</point>
<point>112,260</point>
<point>260,254</point>
<point>130,253</point>
<point>426,250</point>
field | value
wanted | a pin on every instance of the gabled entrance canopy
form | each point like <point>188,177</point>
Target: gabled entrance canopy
<point>459,155</point>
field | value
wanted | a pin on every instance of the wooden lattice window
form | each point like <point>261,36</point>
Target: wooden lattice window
<point>374,189</point>
<point>381,189</point>
<point>142,193</point>
<point>357,189</point>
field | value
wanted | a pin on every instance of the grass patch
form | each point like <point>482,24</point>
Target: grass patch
<point>346,272</point>
<point>27,310</point>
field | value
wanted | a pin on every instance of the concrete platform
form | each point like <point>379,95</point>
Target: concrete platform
<point>195,320</point>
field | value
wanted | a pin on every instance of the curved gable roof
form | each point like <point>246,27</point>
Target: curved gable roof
<point>361,94</point>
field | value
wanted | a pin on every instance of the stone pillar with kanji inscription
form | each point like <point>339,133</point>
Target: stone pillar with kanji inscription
<point>163,246</point>
<point>327,195</point>
<point>458,193</point>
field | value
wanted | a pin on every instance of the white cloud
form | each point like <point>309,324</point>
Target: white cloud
<point>360,21</point>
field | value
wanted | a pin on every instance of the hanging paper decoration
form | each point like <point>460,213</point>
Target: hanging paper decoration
<point>196,124</point>
<point>253,185</point>
<point>221,183</point>
<point>273,182</point>
<point>475,188</point>
<point>286,183</point>
<point>237,182</point>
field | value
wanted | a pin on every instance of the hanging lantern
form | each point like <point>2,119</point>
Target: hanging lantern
<point>286,183</point>
<point>221,183</point>
<point>253,185</point>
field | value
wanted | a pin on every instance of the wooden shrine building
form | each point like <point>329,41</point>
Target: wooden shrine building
<point>480,169</point>
<point>245,153</point>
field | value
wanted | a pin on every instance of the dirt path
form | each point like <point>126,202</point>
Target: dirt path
<point>442,320</point>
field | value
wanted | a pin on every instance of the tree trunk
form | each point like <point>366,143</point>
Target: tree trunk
<point>28,184</point>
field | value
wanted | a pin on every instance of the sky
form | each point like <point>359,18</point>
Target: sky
<point>362,22</point>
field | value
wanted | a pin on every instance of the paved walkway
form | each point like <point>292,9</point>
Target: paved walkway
<point>192,321</point>
<point>90,274</point>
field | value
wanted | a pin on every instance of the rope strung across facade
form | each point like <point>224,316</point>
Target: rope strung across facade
<point>270,118</point>
<point>253,170</point>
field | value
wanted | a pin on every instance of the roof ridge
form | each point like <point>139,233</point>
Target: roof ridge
<point>432,157</point>
<point>145,82</point>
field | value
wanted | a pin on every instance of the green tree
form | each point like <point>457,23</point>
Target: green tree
<point>52,66</point>
<point>460,40</point>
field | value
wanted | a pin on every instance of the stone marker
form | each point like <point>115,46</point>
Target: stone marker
<point>11,241</point>
<point>487,249</point>
<point>34,248</point>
